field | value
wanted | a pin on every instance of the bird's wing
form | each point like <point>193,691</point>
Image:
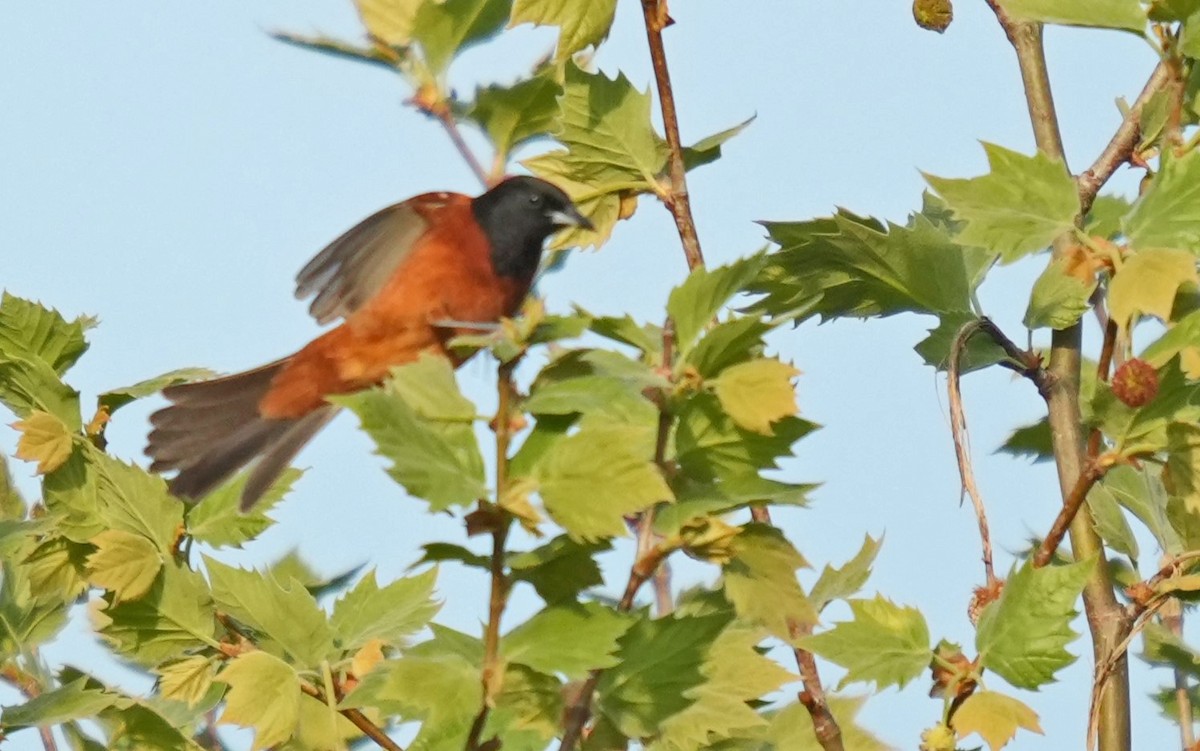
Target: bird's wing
<point>353,268</point>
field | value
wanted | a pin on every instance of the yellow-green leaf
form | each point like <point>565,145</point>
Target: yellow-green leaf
<point>264,694</point>
<point>1109,14</point>
<point>389,21</point>
<point>995,717</point>
<point>45,439</point>
<point>581,24</point>
<point>186,680</point>
<point>1148,282</point>
<point>757,393</point>
<point>1167,214</point>
<point>124,563</point>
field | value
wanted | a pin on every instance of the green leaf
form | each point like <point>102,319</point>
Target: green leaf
<point>728,343</point>
<point>12,505</point>
<point>757,393</point>
<point>512,115</point>
<point>1167,215</point>
<point>439,688</point>
<point>1141,493</point>
<point>72,701</point>
<point>287,615</point>
<point>792,727</point>
<point>606,128</point>
<point>55,569</point>
<point>760,582</point>
<point>646,337</point>
<point>1059,299</point>
<point>708,445</point>
<point>29,616</point>
<point>528,711</point>
<point>591,481</point>
<point>112,400</point>
<point>696,500</point>
<point>658,663</point>
<point>593,633</point>
<point>29,385</point>
<point>849,266</point>
<point>995,717</point>
<point>560,569</point>
<point>187,680</point>
<point>130,499</point>
<point>1143,429</point>
<point>1022,636</point>
<point>264,694</point>
<point>391,614</point>
<point>1030,441</point>
<point>708,150</point>
<point>389,21</point>
<point>1111,522</point>
<point>1105,216</point>
<point>1109,14</point>
<point>44,439</point>
<point>693,304</point>
<point>840,583</point>
<point>327,45</point>
<point>173,618</point>
<point>1148,282</point>
<point>980,352</point>
<point>219,520</point>
<point>736,676</point>
<point>445,29</point>
<point>124,563</point>
<point>31,332</point>
<point>885,643</point>
<point>70,496</point>
<point>1019,207</point>
<point>581,25</point>
<point>422,423</point>
<point>1172,10</point>
<point>1183,464</point>
<point>1183,339</point>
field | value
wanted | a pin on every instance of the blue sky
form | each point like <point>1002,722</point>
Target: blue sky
<point>169,167</point>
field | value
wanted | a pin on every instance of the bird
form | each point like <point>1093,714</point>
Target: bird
<point>404,281</point>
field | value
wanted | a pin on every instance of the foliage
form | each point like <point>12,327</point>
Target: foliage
<point>673,431</point>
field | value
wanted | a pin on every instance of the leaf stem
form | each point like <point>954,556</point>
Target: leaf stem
<point>368,728</point>
<point>1105,615</point>
<point>1067,514</point>
<point>655,15</point>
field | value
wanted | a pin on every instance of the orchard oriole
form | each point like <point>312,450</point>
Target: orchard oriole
<point>406,280</point>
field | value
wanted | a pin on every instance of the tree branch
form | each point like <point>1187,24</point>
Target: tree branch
<point>655,14</point>
<point>368,728</point>
<point>1105,615</point>
<point>28,685</point>
<point>1066,515</point>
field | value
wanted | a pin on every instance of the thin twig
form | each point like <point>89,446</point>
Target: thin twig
<point>655,14</point>
<point>498,600</point>
<point>1123,142</point>
<point>1105,615</point>
<point>28,685</point>
<point>450,125</point>
<point>1172,618</point>
<point>663,598</point>
<point>579,710</point>
<point>1066,515</point>
<point>368,728</point>
<point>1115,659</point>
<point>962,453</point>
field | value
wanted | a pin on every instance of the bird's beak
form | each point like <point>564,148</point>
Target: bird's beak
<point>570,217</point>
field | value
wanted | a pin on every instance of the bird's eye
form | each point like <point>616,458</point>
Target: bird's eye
<point>535,199</point>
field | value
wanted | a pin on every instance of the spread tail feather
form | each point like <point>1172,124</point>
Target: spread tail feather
<point>214,428</point>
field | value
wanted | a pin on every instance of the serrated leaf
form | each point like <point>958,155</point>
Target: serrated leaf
<point>560,569</point>
<point>1030,441</point>
<point>1147,283</point>
<point>737,675</point>
<point>1059,299</point>
<point>760,581</point>
<point>693,304</point>
<point>130,499</point>
<point>885,643</point>
<point>219,520</point>
<point>658,663</point>
<point>55,569</point>
<point>1105,216</point>
<point>708,445</point>
<point>593,629</point>
<point>389,21</point>
<point>1183,464</point>
<point>173,618</point>
<point>529,709</point>
<point>981,351</point>
<point>32,332</point>
<point>1023,635</point>
<point>591,480</point>
<point>391,613</point>
<point>72,701</point>
<point>842,582</point>
<point>792,727</point>
<point>447,28</point>
<point>851,266</point>
<point>287,615</point>
<point>698,500</point>
<point>606,127</point>
<point>1110,521</point>
<point>12,504</point>
<point>29,385</point>
<point>438,688</point>
<point>28,615</point>
<point>581,25</point>
<point>996,717</point>
<point>187,680</point>
<point>1182,338</point>
<point>1142,493</point>
<point>124,563</point>
<point>512,115</point>
<point>727,343</point>
<point>112,400</point>
<point>264,694</point>
<point>1166,215</point>
<point>423,424</point>
<point>1020,206</point>
<point>1109,14</point>
<point>45,439</point>
<point>757,393</point>
<point>373,55</point>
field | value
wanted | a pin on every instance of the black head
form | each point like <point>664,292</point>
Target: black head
<point>517,216</point>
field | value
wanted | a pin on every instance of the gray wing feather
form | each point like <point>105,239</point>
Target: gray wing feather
<point>354,267</point>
